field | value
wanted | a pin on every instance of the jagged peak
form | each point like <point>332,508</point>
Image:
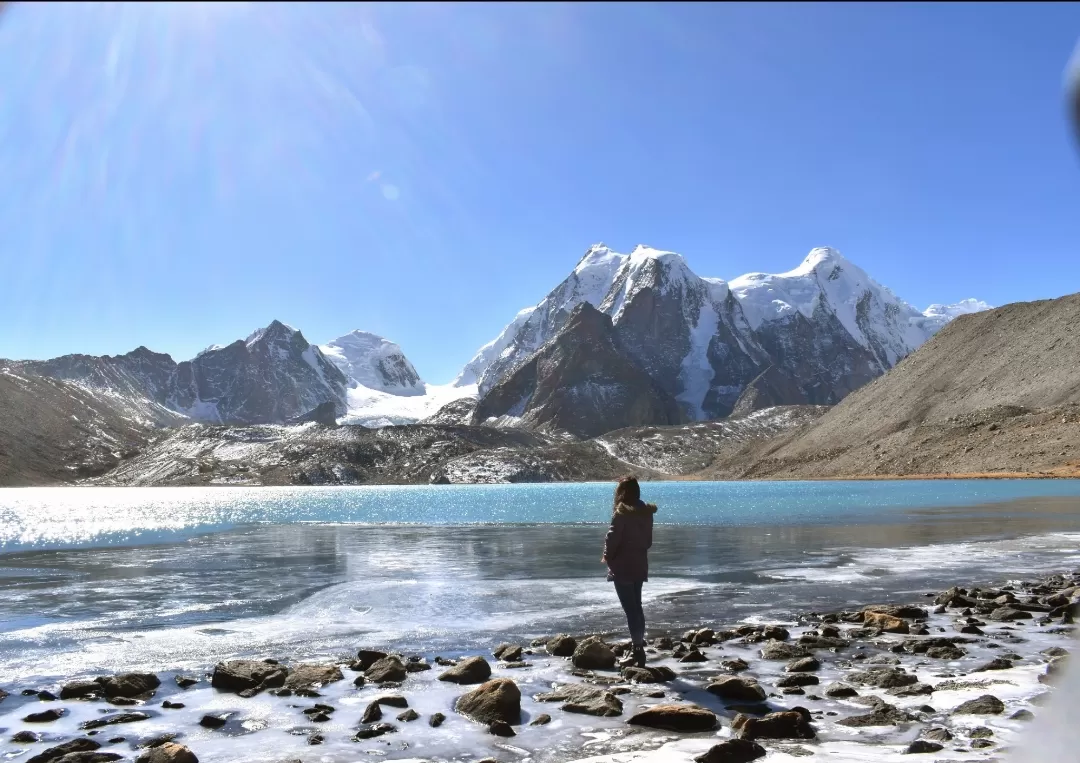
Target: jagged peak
<point>598,255</point>
<point>821,258</point>
<point>275,328</point>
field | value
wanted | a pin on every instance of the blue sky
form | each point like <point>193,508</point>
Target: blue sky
<point>177,176</point>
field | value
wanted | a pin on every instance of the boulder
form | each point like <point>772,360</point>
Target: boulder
<point>112,720</point>
<point>648,675</point>
<point>365,658</point>
<point>584,699</point>
<point>312,676</point>
<point>987,704</point>
<point>911,690</point>
<point>248,676</point>
<point>496,700</point>
<point>474,670</point>
<point>389,669</point>
<point>897,610</point>
<point>803,665</point>
<point>81,690</point>
<point>884,678</point>
<point>796,679</point>
<point>133,685</point>
<point>46,716</point>
<point>693,656</point>
<point>885,623</point>
<point>507,653</point>
<point>922,746</point>
<point>89,757</point>
<point>883,714</point>
<point>732,751</point>
<point>541,720</point>
<point>1008,614</point>
<point>783,650</point>
<point>372,730</point>
<point>168,753</point>
<point>392,700</point>
<point>436,720</point>
<point>840,691</point>
<point>372,713</point>
<point>950,652</point>
<point>501,729</point>
<point>55,753</point>
<point>408,716</point>
<point>938,734</point>
<point>736,665</point>
<point>562,646</point>
<point>593,654</point>
<point>789,724</point>
<point>737,689</point>
<point>688,718</point>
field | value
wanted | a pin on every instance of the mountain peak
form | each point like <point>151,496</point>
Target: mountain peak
<point>963,307</point>
<point>275,329</point>
<point>822,258</point>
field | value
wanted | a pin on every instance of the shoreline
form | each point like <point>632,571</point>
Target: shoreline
<point>900,671</point>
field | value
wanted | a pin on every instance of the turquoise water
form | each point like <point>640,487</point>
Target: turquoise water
<point>39,518</point>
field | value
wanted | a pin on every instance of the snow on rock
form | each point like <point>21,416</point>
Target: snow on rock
<point>942,314</point>
<point>373,362</point>
<point>375,408</point>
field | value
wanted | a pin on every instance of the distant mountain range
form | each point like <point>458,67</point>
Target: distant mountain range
<point>625,340</point>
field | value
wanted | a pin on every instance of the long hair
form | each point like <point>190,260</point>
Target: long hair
<point>627,491</point>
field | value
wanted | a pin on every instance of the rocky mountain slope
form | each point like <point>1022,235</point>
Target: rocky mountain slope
<point>583,381</point>
<point>53,431</point>
<point>434,453</point>
<point>997,391</point>
<point>272,376</point>
<point>809,336</point>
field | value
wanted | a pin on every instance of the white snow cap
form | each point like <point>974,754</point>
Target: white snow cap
<point>371,361</point>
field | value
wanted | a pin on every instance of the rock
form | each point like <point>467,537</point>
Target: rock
<point>365,658</point>
<point>688,718</point>
<point>168,753</point>
<point>562,646</point>
<point>372,713</point>
<point>923,745</point>
<point>312,676</point>
<point>173,705</point>
<point>250,676</point>
<point>501,729</point>
<point>781,650</point>
<point>693,656</point>
<point>585,700</point>
<point>796,679</point>
<point>46,716</point>
<point>803,665</point>
<point>950,652</point>
<point>840,691</point>
<point>213,721</point>
<point>474,670</point>
<point>981,732</point>
<point>885,623</point>
<point>386,670</point>
<point>1022,715</point>
<point>972,630</point>
<point>789,724</point>
<point>392,700</point>
<point>884,678</point>
<point>25,737</point>
<point>81,690</point>
<point>883,714</point>
<point>507,653</point>
<point>436,720</point>
<point>998,663</point>
<point>735,666</point>
<point>938,734</point>
<point>1008,614</point>
<point>704,636</point>
<point>89,757</point>
<point>67,748</point>
<point>373,730</point>
<point>541,720</point>
<point>987,704</point>
<point>657,675</point>
<point>911,690</point>
<point>132,685</point>
<point>732,751</point>
<point>185,682</point>
<point>894,610</point>
<point>496,700</point>
<point>737,689</point>
<point>408,716</point>
<point>112,720</point>
<point>593,654</point>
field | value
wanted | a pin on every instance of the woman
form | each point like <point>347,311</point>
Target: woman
<point>626,553</point>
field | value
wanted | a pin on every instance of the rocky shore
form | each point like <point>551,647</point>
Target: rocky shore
<point>959,673</point>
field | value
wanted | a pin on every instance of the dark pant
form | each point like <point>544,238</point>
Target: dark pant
<point>630,598</point>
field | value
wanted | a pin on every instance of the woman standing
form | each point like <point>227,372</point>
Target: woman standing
<point>626,553</point>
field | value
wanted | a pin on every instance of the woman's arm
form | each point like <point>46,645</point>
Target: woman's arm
<point>613,538</point>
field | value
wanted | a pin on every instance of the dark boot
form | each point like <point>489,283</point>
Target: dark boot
<point>639,656</point>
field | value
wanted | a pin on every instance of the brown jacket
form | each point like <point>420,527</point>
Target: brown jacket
<point>628,541</point>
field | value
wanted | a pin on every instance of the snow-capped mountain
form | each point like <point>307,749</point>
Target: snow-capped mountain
<point>942,314</point>
<point>822,329</point>
<point>373,362</point>
<point>270,377</point>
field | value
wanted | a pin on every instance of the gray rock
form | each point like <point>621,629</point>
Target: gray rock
<point>562,646</point>
<point>803,665</point>
<point>55,753</point>
<point>882,715</point>
<point>496,700</point>
<point>312,676</point>
<point>737,689</point>
<point>168,753</point>
<point>782,650</point>
<point>389,669</point>
<point>251,676</point>
<point>593,654</point>
<point>923,746</point>
<point>474,670</point>
<point>732,751</point>
<point>987,704</point>
<point>584,699</point>
<point>112,720</point>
